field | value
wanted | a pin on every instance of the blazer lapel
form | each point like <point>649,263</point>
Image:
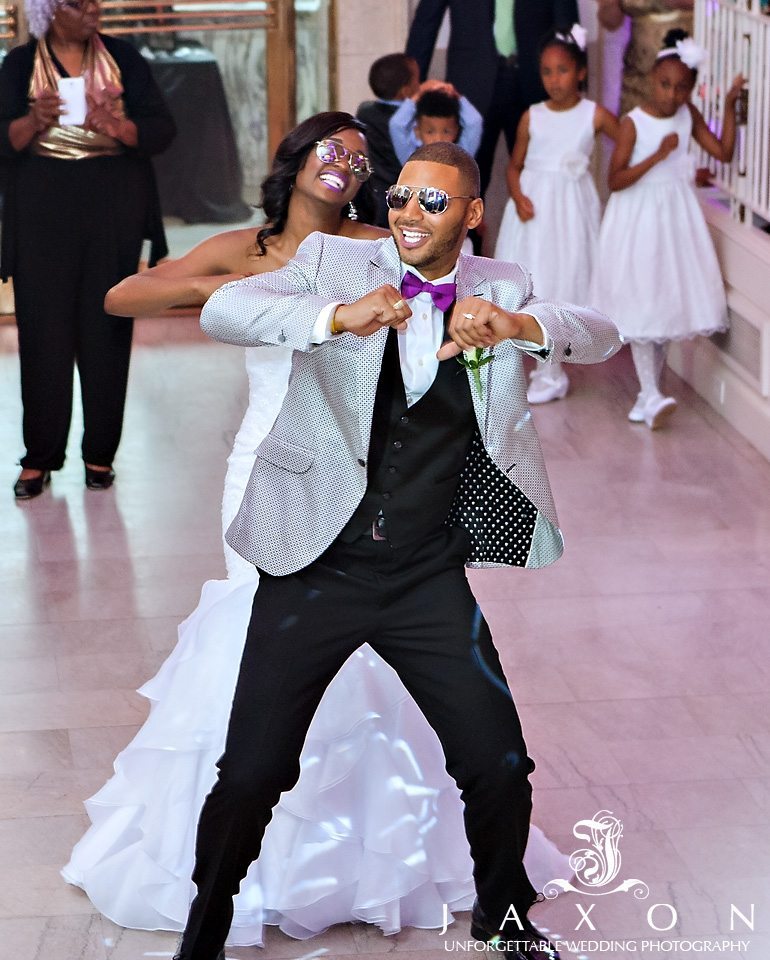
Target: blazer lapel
<point>383,267</point>
<point>470,283</point>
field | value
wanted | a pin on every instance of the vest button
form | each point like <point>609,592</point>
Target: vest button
<point>391,469</point>
<point>397,444</point>
<point>386,496</point>
<point>404,419</point>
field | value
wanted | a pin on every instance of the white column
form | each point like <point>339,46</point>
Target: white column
<point>366,30</point>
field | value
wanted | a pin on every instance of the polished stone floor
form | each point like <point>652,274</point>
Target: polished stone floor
<point>640,661</point>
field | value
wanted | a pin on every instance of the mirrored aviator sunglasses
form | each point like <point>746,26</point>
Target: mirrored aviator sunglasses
<point>430,199</point>
<point>330,151</point>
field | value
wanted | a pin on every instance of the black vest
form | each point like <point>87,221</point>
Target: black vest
<point>416,453</point>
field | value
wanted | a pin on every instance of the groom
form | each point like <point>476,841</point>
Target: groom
<point>387,470</point>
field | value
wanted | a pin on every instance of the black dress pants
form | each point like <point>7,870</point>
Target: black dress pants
<point>503,115</point>
<point>415,608</point>
<point>80,225</point>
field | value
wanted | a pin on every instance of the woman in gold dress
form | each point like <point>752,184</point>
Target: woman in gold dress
<point>650,22</point>
<point>80,198</point>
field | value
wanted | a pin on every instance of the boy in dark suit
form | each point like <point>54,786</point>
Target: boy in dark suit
<point>393,79</point>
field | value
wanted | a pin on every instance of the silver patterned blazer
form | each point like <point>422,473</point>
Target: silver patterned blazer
<point>310,470</point>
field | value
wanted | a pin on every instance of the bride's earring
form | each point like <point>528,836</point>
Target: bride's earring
<point>352,212</point>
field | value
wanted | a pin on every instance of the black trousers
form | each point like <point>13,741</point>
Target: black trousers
<point>415,608</point>
<point>503,115</point>
<point>79,231</point>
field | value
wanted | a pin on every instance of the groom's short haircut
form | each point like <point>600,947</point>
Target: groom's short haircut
<point>451,156</point>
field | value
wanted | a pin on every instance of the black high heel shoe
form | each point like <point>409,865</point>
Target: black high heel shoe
<point>99,479</point>
<point>32,487</point>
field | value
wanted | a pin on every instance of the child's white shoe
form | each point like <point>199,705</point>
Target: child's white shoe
<point>544,386</point>
<point>636,413</point>
<point>657,410</point>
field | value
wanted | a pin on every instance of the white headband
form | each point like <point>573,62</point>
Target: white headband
<point>40,13</point>
<point>577,35</point>
<point>689,52</point>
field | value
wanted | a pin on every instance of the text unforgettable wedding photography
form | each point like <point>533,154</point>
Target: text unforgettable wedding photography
<point>385,394</point>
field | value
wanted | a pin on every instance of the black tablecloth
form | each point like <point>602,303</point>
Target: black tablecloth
<point>199,176</point>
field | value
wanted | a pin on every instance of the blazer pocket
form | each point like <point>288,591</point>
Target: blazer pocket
<point>284,454</point>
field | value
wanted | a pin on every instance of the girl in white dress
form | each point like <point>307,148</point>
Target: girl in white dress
<point>551,222</point>
<point>373,829</point>
<point>657,274</point>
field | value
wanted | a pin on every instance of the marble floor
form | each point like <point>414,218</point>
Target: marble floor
<point>640,661</point>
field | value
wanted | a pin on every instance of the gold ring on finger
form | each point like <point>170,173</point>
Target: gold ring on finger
<point>398,304</point>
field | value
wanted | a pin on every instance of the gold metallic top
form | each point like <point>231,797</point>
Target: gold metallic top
<point>100,72</point>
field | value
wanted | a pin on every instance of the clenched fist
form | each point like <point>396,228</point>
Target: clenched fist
<point>479,323</point>
<point>383,307</point>
<point>668,144</point>
<point>525,209</point>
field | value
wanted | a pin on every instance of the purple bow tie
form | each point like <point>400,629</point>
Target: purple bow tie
<point>442,294</point>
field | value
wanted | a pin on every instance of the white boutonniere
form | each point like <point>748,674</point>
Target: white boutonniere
<point>474,360</point>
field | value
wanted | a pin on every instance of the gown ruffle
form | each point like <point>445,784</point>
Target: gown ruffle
<point>372,831</point>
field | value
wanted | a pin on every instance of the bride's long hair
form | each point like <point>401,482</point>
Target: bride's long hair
<point>290,158</point>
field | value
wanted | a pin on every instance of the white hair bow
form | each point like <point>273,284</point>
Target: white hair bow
<point>577,35</point>
<point>689,52</point>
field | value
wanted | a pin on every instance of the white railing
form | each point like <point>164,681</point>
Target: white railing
<point>736,34</point>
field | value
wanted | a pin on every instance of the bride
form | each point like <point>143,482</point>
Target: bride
<point>373,829</point>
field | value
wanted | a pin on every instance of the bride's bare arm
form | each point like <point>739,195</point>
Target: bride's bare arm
<point>187,282</point>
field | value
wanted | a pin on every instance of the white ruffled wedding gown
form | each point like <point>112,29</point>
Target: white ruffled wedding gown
<point>372,831</point>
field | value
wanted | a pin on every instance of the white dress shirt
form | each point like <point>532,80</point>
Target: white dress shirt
<point>419,343</point>
<point>424,334</point>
